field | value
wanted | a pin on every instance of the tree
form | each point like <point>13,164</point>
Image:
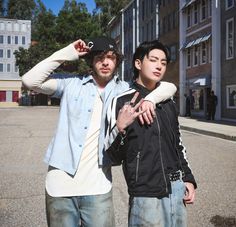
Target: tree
<point>52,33</point>
<point>21,10</point>
<point>74,21</point>
<point>109,9</point>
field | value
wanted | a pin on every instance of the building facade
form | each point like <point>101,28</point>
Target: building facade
<point>207,56</point>
<point>13,34</point>
<point>168,25</point>
<point>228,59</point>
<point>201,38</point>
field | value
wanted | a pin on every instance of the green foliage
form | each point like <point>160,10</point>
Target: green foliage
<point>21,10</point>
<point>108,9</point>
<point>52,33</point>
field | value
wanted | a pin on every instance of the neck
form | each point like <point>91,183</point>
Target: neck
<point>101,82</point>
<point>150,85</point>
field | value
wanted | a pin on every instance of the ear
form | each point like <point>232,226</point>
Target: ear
<point>137,64</point>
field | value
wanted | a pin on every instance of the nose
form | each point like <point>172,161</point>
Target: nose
<point>158,65</point>
<point>105,61</point>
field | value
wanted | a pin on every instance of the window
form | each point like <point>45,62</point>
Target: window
<point>2,96</point>
<point>16,68</point>
<point>1,39</point>
<point>8,68</point>
<point>195,56</point>
<point>203,53</point>
<point>152,30</point>
<point>203,10</point>
<point>8,53</point>
<point>23,40</point>
<point>229,38</point>
<point>210,51</point>
<point>229,4</point>
<point>210,8</point>
<point>1,67</point>
<point>9,39</point>
<point>1,53</point>
<point>143,10</point>
<point>195,13</point>
<point>188,57</point>
<point>23,27</point>
<point>173,53</point>
<point>231,96</point>
<point>16,27</point>
<point>15,96</point>
<point>16,39</point>
<point>2,26</point>
<point>188,17</point>
<point>9,26</point>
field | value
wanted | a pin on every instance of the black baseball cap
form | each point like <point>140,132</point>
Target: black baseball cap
<point>102,44</point>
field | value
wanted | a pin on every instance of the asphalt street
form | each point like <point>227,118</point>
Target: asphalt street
<point>25,133</point>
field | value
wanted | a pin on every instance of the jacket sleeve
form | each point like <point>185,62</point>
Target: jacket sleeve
<point>181,151</point>
<point>114,140</point>
<point>37,79</point>
<point>164,91</point>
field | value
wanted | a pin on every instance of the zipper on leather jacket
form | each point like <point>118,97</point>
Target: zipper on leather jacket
<point>162,165</point>
<point>137,166</point>
<point>179,159</point>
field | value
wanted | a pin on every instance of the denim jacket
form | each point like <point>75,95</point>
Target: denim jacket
<point>77,101</point>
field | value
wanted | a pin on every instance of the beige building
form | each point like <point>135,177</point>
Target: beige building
<point>13,34</point>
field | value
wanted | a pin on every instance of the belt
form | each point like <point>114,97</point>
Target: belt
<point>175,175</point>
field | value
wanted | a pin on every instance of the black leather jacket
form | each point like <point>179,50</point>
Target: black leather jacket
<point>149,153</point>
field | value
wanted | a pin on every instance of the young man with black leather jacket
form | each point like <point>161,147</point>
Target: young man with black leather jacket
<point>160,181</point>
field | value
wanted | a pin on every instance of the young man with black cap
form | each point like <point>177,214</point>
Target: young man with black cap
<point>78,182</point>
<point>159,179</point>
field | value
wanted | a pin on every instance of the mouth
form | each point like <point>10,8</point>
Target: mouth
<point>105,70</point>
<point>158,74</point>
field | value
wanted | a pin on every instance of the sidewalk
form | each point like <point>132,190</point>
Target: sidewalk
<point>221,129</point>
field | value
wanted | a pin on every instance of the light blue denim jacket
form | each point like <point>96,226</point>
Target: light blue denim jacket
<point>77,101</point>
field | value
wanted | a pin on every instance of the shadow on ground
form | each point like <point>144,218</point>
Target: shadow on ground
<point>219,221</point>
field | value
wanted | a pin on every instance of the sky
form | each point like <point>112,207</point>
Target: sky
<point>56,5</point>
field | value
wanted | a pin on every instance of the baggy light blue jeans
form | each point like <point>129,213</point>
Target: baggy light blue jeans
<point>83,211</point>
<point>165,212</point>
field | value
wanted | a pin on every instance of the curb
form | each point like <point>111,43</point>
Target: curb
<point>208,133</point>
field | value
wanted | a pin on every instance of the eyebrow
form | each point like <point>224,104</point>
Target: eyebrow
<point>151,56</point>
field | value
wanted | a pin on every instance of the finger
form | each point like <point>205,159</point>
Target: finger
<point>140,117</point>
<point>134,98</point>
<point>138,104</point>
<point>149,116</point>
<point>152,110</point>
<point>146,119</point>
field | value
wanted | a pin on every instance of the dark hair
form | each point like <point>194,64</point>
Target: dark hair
<point>89,57</point>
<point>144,49</point>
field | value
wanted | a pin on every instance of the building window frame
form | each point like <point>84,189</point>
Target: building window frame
<point>16,40</point>
<point>196,55</point>
<point>8,39</point>
<point>188,58</point>
<point>189,22</point>
<point>1,53</point>
<point>1,39</point>
<point>229,38</point>
<point>8,67</point>
<point>195,13</point>
<point>203,56</point>
<point>8,53</point>
<point>229,4</point>
<point>203,11</point>
<point>231,96</point>
<point>1,67</point>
